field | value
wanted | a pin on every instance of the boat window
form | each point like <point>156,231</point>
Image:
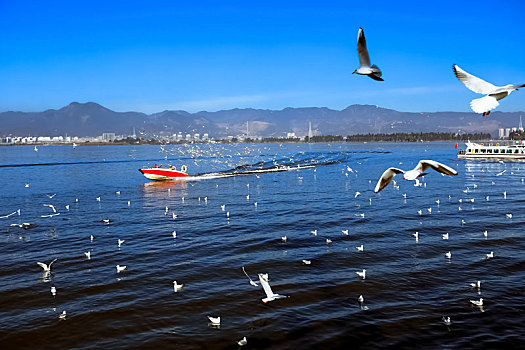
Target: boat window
<point>475,150</point>
<point>483,150</point>
<point>489,151</point>
<point>516,151</point>
<point>509,151</point>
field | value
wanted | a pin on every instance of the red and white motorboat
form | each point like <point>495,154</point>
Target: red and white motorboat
<point>170,173</point>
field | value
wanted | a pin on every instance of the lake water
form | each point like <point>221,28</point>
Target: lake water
<point>409,284</point>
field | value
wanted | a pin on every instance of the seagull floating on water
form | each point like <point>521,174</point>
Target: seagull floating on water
<point>476,285</point>
<point>120,241</point>
<point>446,321</point>
<point>493,93</point>
<point>120,268</point>
<point>215,321</point>
<point>306,262</point>
<point>53,290</point>
<point>62,316</point>
<point>360,248</point>
<point>242,342</point>
<point>270,296</point>
<point>490,255</point>
<point>448,255</point>
<point>176,287</point>
<point>445,236</point>
<point>414,174</point>
<point>365,68</point>
<point>345,232</point>
<point>88,255</point>
<point>361,274</point>
<point>477,302</point>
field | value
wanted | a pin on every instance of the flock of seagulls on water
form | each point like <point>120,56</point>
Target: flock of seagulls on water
<point>419,171</point>
<point>483,105</point>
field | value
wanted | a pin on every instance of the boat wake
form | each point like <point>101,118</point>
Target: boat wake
<point>299,161</point>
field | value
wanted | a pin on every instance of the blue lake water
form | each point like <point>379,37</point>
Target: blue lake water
<point>409,284</point>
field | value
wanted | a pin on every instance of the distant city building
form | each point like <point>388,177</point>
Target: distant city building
<point>196,137</point>
<point>205,136</point>
<point>108,136</point>
<point>290,135</point>
<point>188,137</point>
<point>507,132</point>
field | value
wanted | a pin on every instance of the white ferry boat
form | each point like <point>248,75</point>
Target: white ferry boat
<point>493,149</point>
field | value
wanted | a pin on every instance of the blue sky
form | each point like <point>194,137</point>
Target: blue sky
<point>213,55</point>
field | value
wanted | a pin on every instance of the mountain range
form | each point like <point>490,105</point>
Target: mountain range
<point>92,119</point>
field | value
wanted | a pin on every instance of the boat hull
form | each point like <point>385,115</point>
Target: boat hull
<point>493,150</point>
<point>160,174</point>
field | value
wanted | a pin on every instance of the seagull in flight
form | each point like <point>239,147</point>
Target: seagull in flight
<point>51,206</point>
<point>365,68</point>
<point>252,282</point>
<point>413,174</point>
<point>270,296</point>
<point>47,268</point>
<point>492,93</point>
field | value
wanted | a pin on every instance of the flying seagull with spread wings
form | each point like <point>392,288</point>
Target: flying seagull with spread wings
<point>413,174</point>
<point>365,68</point>
<point>492,93</point>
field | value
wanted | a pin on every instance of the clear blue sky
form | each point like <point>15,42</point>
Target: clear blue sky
<point>209,55</point>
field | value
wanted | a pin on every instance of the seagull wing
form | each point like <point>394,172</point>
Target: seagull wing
<point>362,52</point>
<point>387,176</point>
<point>484,104</point>
<point>42,265</point>
<point>473,83</point>
<point>252,282</point>
<point>266,286</point>
<point>442,168</point>
<point>52,262</point>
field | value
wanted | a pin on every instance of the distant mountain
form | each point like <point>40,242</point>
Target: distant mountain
<point>92,119</point>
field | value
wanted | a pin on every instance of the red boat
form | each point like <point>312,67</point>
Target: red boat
<point>169,173</point>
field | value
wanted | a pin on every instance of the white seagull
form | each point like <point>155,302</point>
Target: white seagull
<point>176,286</point>
<point>362,274</point>
<point>51,206</point>
<point>270,296</point>
<point>413,174</point>
<point>120,268</point>
<point>365,68</point>
<point>215,321</point>
<point>88,255</point>
<point>360,248</point>
<point>47,268</point>
<point>242,342</point>
<point>476,285</point>
<point>477,302</point>
<point>493,93</point>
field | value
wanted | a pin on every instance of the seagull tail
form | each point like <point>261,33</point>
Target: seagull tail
<point>484,104</point>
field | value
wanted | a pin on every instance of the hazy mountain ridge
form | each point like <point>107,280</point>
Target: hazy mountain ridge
<point>92,119</point>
